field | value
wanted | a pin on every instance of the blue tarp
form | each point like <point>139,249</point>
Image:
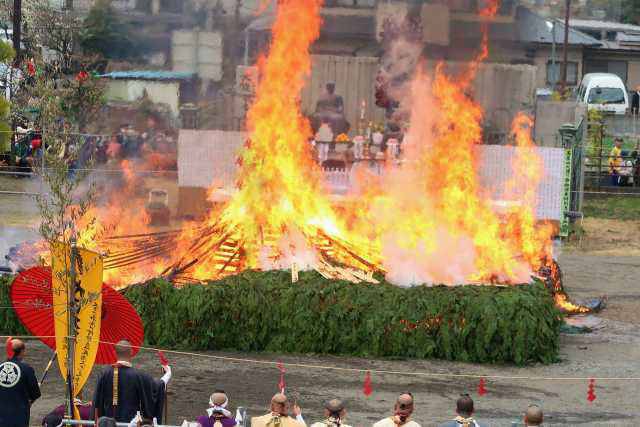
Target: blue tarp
<point>148,75</point>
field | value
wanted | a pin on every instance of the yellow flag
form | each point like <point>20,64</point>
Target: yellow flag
<point>88,301</point>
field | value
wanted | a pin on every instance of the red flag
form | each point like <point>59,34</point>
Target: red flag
<point>9,348</point>
<point>82,76</point>
<point>163,359</point>
<point>591,394</point>
<point>481,387</point>
<point>281,383</point>
<point>367,389</point>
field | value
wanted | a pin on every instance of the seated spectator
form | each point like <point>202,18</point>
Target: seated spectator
<point>626,170</point>
<point>106,422</point>
<point>533,416</point>
<point>334,415</point>
<point>401,413</point>
<point>464,410</point>
<point>635,159</point>
<point>54,418</point>
<point>279,414</point>
<point>217,415</point>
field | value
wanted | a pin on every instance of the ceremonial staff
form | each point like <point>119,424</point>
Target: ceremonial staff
<point>48,368</point>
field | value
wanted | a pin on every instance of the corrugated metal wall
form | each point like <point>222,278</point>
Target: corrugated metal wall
<point>355,81</point>
<point>501,89</point>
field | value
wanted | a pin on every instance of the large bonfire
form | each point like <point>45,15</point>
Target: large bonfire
<point>426,221</point>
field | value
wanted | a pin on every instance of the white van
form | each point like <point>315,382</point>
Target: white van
<point>605,92</point>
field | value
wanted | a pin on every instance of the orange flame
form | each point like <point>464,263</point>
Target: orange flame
<point>434,208</point>
<point>429,221</point>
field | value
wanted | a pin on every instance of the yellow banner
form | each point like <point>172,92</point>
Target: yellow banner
<point>88,301</point>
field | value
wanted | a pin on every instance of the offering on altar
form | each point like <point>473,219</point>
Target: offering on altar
<point>343,138</point>
<point>377,133</point>
<point>393,146</point>
<point>358,147</point>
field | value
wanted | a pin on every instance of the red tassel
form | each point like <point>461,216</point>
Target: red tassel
<point>481,388</point>
<point>9,348</point>
<point>367,389</point>
<point>281,383</point>
<point>591,394</point>
<point>163,360</point>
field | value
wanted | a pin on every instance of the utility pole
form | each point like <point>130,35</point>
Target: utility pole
<point>554,63</point>
<point>565,52</point>
<point>17,26</point>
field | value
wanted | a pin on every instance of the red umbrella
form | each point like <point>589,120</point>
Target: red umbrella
<point>33,302</point>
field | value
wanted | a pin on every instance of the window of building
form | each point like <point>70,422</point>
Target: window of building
<point>618,68</point>
<point>593,33</point>
<point>554,72</point>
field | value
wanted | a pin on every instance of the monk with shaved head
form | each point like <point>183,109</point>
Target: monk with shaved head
<point>18,387</point>
<point>279,414</point>
<point>401,413</point>
<point>533,416</point>
<point>122,391</point>
<point>464,412</point>
<point>334,414</point>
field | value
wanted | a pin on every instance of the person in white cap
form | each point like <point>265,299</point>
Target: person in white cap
<point>218,415</point>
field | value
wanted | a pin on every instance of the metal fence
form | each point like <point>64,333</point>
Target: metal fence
<point>603,176</point>
<point>241,411</point>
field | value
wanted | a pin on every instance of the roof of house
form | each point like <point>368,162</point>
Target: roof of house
<point>148,75</point>
<point>359,26</point>
<point>529,27</point>
<point>591,24</point>
<point>626,37</point>
<point>534,28</point>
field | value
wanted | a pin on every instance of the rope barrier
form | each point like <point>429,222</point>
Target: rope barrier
<point>357,370</point>
<point>114,171</point>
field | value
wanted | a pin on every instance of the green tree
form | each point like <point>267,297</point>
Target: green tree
<point>63,108</point>
<point>46,26</point>
<point>631,11</point>
<point>104,33</point>
<point>6,56</point>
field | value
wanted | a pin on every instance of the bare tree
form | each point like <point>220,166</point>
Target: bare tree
<point>46,26</point>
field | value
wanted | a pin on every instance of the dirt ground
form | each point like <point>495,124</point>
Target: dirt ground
<point>613,350</point>
<point>605,261</point>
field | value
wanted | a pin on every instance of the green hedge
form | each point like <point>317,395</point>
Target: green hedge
<point>263,311</point>
<point>9,323</point>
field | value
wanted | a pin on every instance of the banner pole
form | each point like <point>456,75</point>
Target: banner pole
<point>71,323</point>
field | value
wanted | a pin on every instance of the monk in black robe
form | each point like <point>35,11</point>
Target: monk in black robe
<point>18,388</point>
<point>133,392</point>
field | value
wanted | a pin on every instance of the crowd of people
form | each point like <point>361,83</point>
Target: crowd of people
<point>126,143</point>
<point>124,394</point>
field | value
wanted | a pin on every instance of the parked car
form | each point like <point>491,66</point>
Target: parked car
<point>605,92</point>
